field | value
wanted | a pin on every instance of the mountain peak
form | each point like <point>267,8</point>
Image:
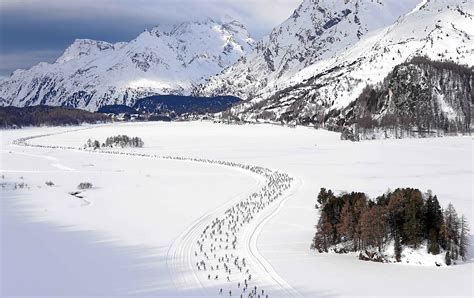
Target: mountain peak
<point>168,59</point>
<point>84,47</point>
<point>317,30</point>
<point>298,73</point>
<point>227,22</point>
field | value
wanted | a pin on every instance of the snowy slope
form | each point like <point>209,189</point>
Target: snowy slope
<point>317,30</point>
<point>140,205</point>
<point>163,60</point>
<point>439,29</point>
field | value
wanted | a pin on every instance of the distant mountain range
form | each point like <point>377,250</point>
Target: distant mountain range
<point>309,70</point>
<point>163,60</point>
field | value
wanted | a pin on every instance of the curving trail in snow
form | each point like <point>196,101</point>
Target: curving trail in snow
<point>181,261</point>
<point>254,232</point>
<point>218,253</point>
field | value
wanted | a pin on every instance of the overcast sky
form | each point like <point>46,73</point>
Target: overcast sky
<point>32,31</point>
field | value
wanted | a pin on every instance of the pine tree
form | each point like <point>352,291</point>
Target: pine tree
<point>450,232</point>
<point>463,238</point>
<point>322,239</point>
<point>364,227</point>
<point>346,226</point>
<point>433,221</point>
<point>433,245</point>
<point>397,247</point>
<point>395,212</point>
<point>378,226</point>
<point>359,205</point>
<point>373,227</point>
<point>447,258</point>
<point>412,226</point>
<point>323,196</point>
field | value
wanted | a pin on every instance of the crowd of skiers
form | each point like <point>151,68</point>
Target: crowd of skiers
<point>216,250</point>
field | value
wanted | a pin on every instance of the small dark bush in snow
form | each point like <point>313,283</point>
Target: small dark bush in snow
<point>84,185</point>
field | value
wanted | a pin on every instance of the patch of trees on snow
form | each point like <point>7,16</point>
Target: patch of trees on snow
<point>402,219</point>
<point>84,185</point>
<point>116,141</point>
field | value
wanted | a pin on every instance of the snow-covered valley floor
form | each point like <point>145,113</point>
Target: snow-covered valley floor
<point>135,232</point>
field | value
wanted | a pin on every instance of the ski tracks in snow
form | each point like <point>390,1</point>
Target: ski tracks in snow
<point>200,251</point>
<point>251,238</point>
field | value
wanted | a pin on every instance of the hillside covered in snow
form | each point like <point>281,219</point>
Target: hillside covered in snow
<point>347,51</point>
<point>317,30</point>
<point>163,60</point>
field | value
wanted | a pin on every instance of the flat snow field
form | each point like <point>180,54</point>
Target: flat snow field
<point>117,238</point>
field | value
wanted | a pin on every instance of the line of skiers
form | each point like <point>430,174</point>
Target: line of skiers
<point>216,247</point>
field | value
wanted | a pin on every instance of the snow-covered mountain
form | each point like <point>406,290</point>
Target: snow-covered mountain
<point>339,71</point>
<point>163,60</point>
<point>317,30</point>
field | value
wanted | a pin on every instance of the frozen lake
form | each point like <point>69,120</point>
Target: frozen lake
<point>116,239</point>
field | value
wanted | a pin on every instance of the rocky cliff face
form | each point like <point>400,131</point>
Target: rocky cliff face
<point>421,96</point>
<point>163,60</point>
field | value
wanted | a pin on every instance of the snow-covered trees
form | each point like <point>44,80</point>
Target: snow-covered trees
<point>124,141</point>
<point>402,218</point>
<point>116,141</point>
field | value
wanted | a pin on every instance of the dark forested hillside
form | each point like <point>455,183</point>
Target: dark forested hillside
<point>184,104</point>
<point>169,107</point>
<point>420,96</point>
<point>46,115</point>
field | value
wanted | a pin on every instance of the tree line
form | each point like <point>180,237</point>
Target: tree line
<point>405,216</point>
<point>14,117</point>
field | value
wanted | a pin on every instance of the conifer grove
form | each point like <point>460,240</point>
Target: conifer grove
<point>405,216</point>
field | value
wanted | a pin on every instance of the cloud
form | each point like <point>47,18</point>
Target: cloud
<point>39,30</point>
<point>269,12</point>
<point>25,59</point>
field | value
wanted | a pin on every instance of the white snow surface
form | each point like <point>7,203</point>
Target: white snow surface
<point>163,60</point>
<point>117,239</point>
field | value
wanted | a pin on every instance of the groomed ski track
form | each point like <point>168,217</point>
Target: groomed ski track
<point>181,256</point>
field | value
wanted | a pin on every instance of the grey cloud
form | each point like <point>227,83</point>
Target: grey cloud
<point>31,28</point>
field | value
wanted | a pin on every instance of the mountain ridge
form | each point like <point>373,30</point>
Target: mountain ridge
<point>437,29</point>
<point>317,30</point>
<point>162,60</point>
